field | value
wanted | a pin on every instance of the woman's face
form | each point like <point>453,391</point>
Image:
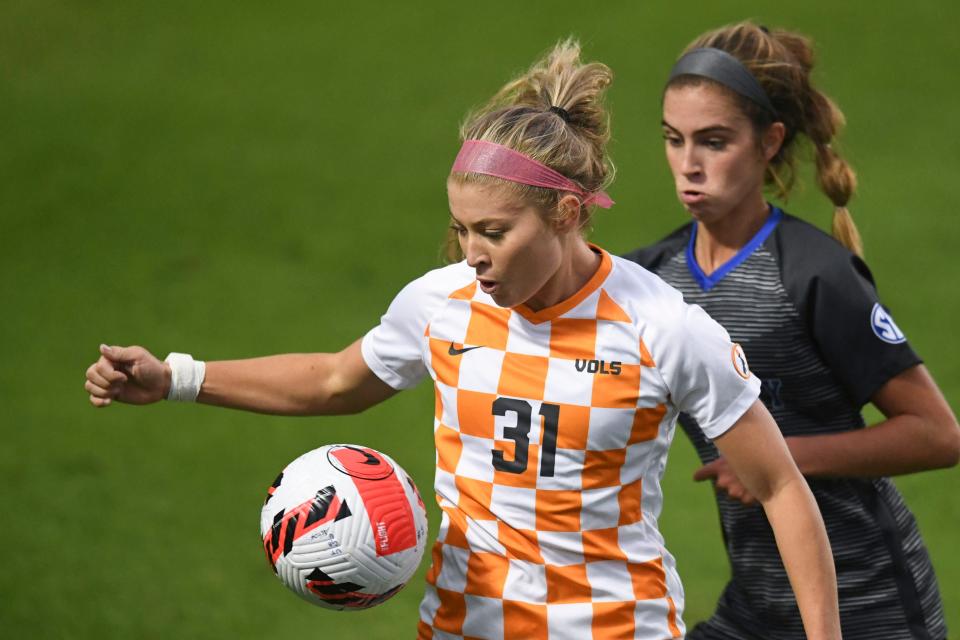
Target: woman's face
<point>513,249</point>
<point>717,162</point>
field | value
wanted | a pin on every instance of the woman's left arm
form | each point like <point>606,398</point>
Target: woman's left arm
<point>758,455</point>
<point>920,433</point>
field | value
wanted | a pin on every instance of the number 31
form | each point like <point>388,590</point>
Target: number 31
<point>520,434</point>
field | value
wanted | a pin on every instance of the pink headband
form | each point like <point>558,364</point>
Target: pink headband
<point>491,159</point>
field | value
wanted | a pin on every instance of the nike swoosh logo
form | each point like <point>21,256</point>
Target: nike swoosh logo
<point>456,352</point>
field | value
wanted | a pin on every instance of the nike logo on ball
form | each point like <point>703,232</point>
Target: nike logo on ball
<point>456,352</point>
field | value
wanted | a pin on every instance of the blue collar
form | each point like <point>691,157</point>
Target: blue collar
<point>709,282</point>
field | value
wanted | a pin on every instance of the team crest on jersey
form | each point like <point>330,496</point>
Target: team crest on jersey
<point>740,361</point>
<point>884,327</point>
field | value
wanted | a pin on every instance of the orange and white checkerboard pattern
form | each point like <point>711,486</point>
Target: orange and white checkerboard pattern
<point>551,432</point>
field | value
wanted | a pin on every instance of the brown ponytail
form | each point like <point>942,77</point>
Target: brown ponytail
<point>781,61</point>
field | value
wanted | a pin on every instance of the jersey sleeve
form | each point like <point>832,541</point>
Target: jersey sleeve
<point>707,374</point>
<point>394,349</point>
<point>838,301</point>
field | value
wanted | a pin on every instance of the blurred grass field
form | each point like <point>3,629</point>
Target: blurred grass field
<point>236,179</point>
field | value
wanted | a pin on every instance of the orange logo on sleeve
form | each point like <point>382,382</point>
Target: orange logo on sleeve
<point>740,361</point>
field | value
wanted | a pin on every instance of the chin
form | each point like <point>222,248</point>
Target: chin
<point>701,212</point>
<point>503,300</point>
<point>695,211</point>
<point>509,300</point>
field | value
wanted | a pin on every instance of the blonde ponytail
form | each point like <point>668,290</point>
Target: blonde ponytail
<point>555,114</point>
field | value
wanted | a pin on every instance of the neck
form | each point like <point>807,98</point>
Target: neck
<point>574,272</point>
<point>719,240</point>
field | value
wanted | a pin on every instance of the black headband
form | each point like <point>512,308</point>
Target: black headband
<point>720,66</point>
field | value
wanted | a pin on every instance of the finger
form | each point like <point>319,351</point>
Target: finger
<point>706,472</point>
<point>119,354</point>
<point>105,375</point>
<point>116,377</point>
<point>105,366</point>
<point>98,391</point>
<point>95,376</point>
<point>736,491</point>
<point>99,402</point>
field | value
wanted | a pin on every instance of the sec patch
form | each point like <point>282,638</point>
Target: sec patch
<point>884,327</point>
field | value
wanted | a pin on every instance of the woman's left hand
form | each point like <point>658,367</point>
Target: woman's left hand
<point>725,480</point>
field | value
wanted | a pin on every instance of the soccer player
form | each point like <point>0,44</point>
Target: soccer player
<point>806,311</point>
<point>559,372</point>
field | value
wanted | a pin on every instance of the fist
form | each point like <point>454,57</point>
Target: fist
<point>127,374</point>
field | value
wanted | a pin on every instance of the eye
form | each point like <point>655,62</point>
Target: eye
<point>672,139</point>
<point>493,234</point>
<point>716,144</point>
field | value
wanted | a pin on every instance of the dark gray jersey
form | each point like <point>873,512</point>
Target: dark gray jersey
<point>807,314</point>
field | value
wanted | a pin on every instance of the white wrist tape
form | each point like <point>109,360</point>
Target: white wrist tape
<point>186,377</point>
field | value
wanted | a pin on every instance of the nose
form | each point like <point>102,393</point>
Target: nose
<point>690,165</point>
<point>474,250</point>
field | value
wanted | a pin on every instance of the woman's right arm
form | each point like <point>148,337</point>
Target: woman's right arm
<point>289,384</point>
<point>758,454</point>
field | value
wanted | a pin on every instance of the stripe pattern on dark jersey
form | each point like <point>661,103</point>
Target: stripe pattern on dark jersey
<point>886,583</point>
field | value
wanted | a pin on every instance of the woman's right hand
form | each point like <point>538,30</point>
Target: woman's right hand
<point>128,374</point>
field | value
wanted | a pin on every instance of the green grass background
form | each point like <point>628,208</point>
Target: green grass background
<point>242,178</point>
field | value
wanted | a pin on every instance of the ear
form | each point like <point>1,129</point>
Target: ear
<point>773,140</point>
<point>567,217</point>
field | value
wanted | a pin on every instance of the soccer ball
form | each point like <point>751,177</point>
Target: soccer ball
<point>344,527</point>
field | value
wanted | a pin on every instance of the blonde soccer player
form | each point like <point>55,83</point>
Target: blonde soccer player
<point>559,373</point>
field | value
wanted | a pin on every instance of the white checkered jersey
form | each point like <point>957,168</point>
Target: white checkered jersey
<point>551,431</point>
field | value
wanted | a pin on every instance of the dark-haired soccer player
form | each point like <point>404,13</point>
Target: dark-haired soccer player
<point>805,309</point>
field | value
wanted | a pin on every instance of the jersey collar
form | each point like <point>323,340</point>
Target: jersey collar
<point>709,282</point>
<point>557,310</point>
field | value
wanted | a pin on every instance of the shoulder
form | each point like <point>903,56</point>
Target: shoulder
<point>423,298</point>
<point>652,304</point>
<point>836,298</point>
<point>440,284</point>
<point>639,287</point>
<point>654,255</point>
<point>807,254</point>
<point>449,277</point>
<point>690,353</point>
<point>393,349</point>
<point>666,322</point>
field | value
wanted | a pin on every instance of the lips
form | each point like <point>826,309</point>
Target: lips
<point>487,286</point>
<point>692,197</point>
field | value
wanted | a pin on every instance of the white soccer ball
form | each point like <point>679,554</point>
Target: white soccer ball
<point>344,527</point>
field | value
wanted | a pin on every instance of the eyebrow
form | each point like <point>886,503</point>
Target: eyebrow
<point>715,128</point>
<point>484,222</point>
